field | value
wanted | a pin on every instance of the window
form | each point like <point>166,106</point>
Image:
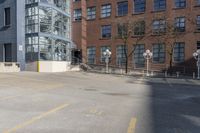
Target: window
<point>139,6</point>
<point>122,30</point>
<point>77,14</point>
<point>91,54</point>
<point>179,52</point>
<point>31,1</point>
<point>103,49</point>
<point>159,5</point>
<point>198,44</point>
<point>122,8</point>
<point>106,31</point>
<point>121,55</point>
<point>158,53</point>
<point>106,10</point>
<point>180,3</point>
<point>180,24</point>
<point>198,2</point>
<point>198,23</point>
<point>139,28</point>
<point>7,16</point>
<point>91,13</point>
<point>159,26</point>
<point>32,19</point>
<point>139,60</point>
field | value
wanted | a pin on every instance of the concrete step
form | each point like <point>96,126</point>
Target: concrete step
<point>9,67</point>
<point>74,68</point>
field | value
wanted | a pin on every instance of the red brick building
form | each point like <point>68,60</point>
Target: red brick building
<point>158,25</point>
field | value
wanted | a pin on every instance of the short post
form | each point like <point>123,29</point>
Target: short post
<point>165,73</point>
<point>177,74</point>
<point>143,73</point>
<point>107,55</point>
<point>152,73</point>
<point>194,75</point>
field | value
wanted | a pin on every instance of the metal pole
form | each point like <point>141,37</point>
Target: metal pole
<point>106,65</point>
<point>198,64</point>
<point>198,72</point>
<point>147,66</point>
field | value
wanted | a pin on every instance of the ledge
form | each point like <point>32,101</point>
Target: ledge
<point>139,13</point>
<point>157,11</point>
<point>104,38</point>
<point>179,8</point>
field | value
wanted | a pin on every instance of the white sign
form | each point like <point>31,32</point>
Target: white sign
<point>20,48</point>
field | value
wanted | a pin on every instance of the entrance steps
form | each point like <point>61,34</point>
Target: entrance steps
<point>9,67</point>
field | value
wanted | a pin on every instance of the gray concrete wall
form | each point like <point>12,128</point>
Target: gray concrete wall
<point>15,34</point>
<point>20,19</point>
<point>8,34</point>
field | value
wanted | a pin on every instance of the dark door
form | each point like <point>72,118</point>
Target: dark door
<point>8,52</point>
<point>76,56</point>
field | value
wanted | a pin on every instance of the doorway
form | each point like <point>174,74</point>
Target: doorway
<point>8,52</point>
<point>76,57</point>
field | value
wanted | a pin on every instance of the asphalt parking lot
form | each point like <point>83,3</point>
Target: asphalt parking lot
<point>78,102</point>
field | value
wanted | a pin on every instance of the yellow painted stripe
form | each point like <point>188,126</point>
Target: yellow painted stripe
<point>132,124</point>
<point>34,119</point>
<point>9,97</point>
<point>40,90</point>
<point>38,66</point>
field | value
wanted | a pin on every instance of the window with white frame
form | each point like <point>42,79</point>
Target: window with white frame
<point>198,22</point>
<point>139,60</point>
<point>77,15</point>
<point>121,55</point>
<point>91,54</point>
<point>179,52</point>
<point>139,28</point>
<point>106,31</point>
<point>122,30</point>
<point>180,3</point>
<point>159,5</point>
<point>159,26</point>
<point>103,49</point>
<point>105,10</point>
<point>91,13</point>
<point>158,53</point>
<point>122,8</point>
<point>139,6</point>
<point>179,24</point>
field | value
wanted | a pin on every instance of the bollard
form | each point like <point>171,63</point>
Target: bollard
<point>121,70</point>
<point>165,73</point>
<point>177,74</point>
<point>143,73</point>
<point>152,73</point>
<point>194,75</point>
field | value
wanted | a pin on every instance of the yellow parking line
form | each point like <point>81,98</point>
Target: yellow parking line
<point>9,97</point>
<point>132,124</point>
<point>37,91</point>
<point>36,118</point>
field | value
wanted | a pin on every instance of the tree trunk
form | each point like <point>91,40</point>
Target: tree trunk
<point>126,69</point>
<point>170,65</point>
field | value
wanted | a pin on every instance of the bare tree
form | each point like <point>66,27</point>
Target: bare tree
<point>124,33</point>
<point>134,30</point>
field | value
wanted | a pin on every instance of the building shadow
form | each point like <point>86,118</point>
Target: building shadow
<point>187,67</point>
<point>169,108</point>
